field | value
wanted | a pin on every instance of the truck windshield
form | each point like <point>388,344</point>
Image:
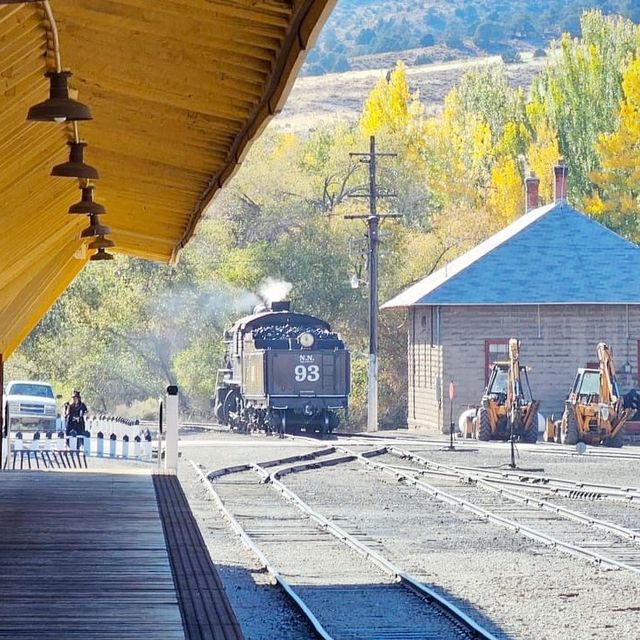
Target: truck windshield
<point>29,389</point>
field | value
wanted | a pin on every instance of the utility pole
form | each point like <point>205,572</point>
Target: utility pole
<point>373,224</point>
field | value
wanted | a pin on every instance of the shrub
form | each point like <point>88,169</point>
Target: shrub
<point>423,59</point>
<point>510,55</point>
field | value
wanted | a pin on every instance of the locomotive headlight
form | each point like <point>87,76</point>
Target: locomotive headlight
<point>306,340</point>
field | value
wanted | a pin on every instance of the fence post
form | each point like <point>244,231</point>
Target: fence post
<point>146,447</point>
<point>171,446</point>
<point>100,444</point>
<point>87,443</point>
<point>125,446</point>
<point>112,445</point>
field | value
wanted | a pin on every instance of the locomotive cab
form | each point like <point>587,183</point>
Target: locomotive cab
<point>283,371</point>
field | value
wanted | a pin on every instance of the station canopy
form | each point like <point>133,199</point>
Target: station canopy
<point>177,89</point>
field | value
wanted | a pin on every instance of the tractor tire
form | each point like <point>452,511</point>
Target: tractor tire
<point>570,435</point>
<point>530,435</point>
<point>615,441</point>
<point>484,425</point>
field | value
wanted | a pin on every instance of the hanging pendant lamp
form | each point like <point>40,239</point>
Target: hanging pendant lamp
<point>95,228</point>
<point>87,204</point>
<point>100,255</point>
<point>59,107</point>
<point>101,243</point>
<point>75,167</point>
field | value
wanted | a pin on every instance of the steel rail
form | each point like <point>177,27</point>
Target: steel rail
<point>403,579</point>
<point>576,516</point>
<point>591,453</point>
<point>218,473</point>
<point>444,605</point>
<point>512,525</point>
<point>554,484</point>
<point>246,539</point>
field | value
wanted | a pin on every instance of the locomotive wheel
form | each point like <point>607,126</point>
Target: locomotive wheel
<point>231,405</point>
<point>325,428</point>
<point>484,425</point>
<point>569,429</point>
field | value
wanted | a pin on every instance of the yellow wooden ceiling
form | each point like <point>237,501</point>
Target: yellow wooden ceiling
<point>177,88</point>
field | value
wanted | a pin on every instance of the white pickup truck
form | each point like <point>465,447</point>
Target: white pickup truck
<point>32,405</point>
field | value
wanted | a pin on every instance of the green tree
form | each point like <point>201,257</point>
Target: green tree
<point>581,87</point>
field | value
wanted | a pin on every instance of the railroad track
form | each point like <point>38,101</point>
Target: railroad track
<point>574,489</point>
<point>462,444</point>
<point>367,597</point>
<point>567,530</point>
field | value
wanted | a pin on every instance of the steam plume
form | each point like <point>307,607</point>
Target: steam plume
<point>272,290</point>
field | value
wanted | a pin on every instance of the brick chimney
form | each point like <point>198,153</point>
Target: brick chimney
<point>531,184</point>
<point>560,172</point>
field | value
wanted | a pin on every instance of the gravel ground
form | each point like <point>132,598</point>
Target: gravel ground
<point>529,591</point>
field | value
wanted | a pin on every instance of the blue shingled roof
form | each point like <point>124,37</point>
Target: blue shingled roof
<point>551,255</point>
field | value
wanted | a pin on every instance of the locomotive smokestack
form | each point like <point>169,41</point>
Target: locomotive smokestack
<point>281,305</point>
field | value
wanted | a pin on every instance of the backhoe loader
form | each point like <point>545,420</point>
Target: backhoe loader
<point>595,411</point>
<point>507,405</point>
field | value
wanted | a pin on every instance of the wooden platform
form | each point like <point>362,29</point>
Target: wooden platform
<point>206,611</point>
<point>83,555</point>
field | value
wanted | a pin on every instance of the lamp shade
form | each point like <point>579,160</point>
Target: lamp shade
<point>101,243</point>
<point>87,204</point>
<point>95,228</point>
<point>100,255</point>
<point>75,167</point>
<point>59,107</point>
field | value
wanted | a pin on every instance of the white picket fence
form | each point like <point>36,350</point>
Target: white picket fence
<point>105,437</point>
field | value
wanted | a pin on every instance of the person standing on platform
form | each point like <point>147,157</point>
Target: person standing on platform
<point>74,413</point>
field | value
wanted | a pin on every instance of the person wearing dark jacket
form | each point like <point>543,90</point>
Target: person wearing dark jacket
<point>75,411</point>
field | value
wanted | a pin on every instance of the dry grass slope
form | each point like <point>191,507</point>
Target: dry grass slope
<point>318,100</point>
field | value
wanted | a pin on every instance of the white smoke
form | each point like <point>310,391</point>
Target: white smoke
<point>272,290</point>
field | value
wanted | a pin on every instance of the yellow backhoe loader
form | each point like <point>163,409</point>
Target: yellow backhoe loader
<point>508,402</point>
<point>595,411</point>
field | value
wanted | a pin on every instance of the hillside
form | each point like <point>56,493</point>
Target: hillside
<point>315,100</point>
<point>359,33</point>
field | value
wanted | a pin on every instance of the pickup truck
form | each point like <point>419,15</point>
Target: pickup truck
<point>32,405</point>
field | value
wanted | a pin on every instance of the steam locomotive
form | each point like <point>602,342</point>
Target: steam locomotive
<point>283,372</point>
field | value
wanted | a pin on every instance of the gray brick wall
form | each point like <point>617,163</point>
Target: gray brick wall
<point>555,341</point>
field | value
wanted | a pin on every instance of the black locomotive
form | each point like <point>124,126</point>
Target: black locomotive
<point>283,372</point>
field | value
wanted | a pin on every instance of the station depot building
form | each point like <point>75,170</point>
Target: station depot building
<point>555,279</point>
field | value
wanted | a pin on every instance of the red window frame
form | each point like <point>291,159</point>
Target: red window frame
<point>488,358</point>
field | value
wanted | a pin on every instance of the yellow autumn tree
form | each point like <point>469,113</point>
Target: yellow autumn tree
<point>506,195</point>
<point>616,202</point>
<point>456,148</point>
<point>391,106</point>
<point>544,150</point>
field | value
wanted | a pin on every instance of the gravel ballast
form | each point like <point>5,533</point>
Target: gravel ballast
<point>528,590</point>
